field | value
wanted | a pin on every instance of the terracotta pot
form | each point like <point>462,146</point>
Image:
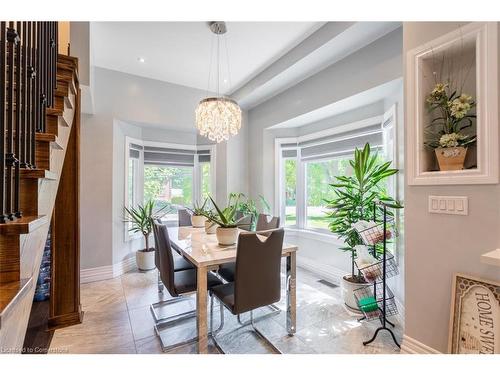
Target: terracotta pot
<point>226,236</point>
<point>347,291</point>
<point>210,227</point>
<point>198,221</point>
<point>145,260</point>
<point>451,158</point>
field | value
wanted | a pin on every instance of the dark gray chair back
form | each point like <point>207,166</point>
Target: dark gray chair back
<point>246,221</point>
<point>258,265</point>
<point>165,259</point>
<point>184,218</point>
<point>264,224</point>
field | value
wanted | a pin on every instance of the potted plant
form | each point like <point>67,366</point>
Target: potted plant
<point>141,220</point>
<point>446,130</point>
<point>248,207</point>
<point>354,198</point>
<point>198,216</point>
<point>227,230</point>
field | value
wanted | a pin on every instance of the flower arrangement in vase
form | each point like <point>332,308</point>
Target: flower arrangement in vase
<point>452,114</point>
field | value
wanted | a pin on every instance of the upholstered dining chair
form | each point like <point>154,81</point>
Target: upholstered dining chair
<point>250,289</point>
<point>184,217</point>
<point>180,284</point>
<point>267,222</point>
<point>180,263</point>
<point>244,221</point>
<point>226,271</point>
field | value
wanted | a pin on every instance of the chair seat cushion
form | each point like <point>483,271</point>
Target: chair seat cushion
<point>225,293</point>
<point>185,281</point>
<point>181,264</point>
<point>226,271</point>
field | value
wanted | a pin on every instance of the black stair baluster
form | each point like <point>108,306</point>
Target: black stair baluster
<point>9,157</point>
<point>3,69</point>
<point>24,163</point>
<point>34,92</point>
<point>18,130</point>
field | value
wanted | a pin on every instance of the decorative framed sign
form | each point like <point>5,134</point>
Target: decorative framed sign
<point>475,316</point>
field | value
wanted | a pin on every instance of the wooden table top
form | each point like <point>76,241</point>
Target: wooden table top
<point>203,249</point>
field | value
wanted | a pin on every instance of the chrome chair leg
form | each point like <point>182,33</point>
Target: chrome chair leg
<point>261,335</point>
<point>156,305</point>
<point>275,311</point>
<point>184,316</point>
<point>213,333</point>
<point>160,284</point>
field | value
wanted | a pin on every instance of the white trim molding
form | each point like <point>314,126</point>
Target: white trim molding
<point>90,275</point>
<point>412,346</point>
<point>485,39</point>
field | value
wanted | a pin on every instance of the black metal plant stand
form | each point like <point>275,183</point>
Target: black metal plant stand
<point>378,274</point>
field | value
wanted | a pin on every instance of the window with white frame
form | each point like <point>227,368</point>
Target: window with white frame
<point>173,174</point>
<point>308,164</point>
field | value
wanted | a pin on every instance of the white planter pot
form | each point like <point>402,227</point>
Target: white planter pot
<point>145,260</point>
<point>210,227</point>
<point>347,292</point>
<point>226,236</point>
<point>198,221</point>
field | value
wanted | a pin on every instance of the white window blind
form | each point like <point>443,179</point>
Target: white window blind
<point>173,156</point>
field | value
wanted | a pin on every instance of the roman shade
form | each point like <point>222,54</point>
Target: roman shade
<point>338,145</point>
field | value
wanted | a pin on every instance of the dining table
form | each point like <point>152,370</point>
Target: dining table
<point>205,253</point>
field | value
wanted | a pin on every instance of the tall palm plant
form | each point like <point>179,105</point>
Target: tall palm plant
<point>355,195</point>
<point>141,219</point>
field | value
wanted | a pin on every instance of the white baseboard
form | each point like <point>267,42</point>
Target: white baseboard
<point>328,272</point>
<point>90,275</point>
<point>412,346</point>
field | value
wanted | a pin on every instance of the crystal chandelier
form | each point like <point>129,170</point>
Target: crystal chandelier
<point>218,117</point>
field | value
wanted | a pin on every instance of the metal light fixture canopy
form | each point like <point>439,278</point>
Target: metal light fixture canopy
<point>218,117</point>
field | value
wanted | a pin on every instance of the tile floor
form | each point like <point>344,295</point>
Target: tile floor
<point>117,320</point>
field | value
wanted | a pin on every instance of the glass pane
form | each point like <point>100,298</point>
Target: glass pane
<point>319,175</point>
<point>290,191</point>
<point>132,177</point>
<point>169,185</point>
<point>205,180</point>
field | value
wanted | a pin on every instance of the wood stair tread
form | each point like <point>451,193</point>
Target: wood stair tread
<point>24,225</point>
<point>10,293</point>
<point>49,137</point>
<point>38,173</point>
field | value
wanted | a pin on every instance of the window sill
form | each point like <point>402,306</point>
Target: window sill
<point>315,235</point>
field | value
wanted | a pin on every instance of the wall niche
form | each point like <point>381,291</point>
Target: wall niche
<point>467,61</point>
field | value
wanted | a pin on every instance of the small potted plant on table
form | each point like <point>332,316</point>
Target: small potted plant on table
<point>141,220</point>
<point>353,202</point>
<point>227,230</point>
<point>198,216</point>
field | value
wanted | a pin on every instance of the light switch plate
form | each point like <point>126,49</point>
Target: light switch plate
<point>439,204</point>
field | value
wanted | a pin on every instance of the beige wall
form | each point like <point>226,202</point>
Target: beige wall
<point>439,245</point>
<point>80,47</point>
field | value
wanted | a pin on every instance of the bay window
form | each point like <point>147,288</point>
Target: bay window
<point>309,164</point>
<point>169,174</point>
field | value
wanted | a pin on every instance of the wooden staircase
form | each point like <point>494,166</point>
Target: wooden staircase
<point>22,240</point>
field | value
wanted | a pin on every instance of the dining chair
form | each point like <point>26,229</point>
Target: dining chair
<point>244,221</point>
<point>226,271</point>
<point>180,284</point>
<point>251,290</point>
<point>184,217</point>
<point>180,263</point>
<point>267,222</point>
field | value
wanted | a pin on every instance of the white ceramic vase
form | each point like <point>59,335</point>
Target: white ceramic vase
<point>198,221</point>
<point>347,291</point>
<point>226,236</point>
<point>145,260</point>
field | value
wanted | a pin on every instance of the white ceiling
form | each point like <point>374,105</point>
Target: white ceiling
<point>179,52</point>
